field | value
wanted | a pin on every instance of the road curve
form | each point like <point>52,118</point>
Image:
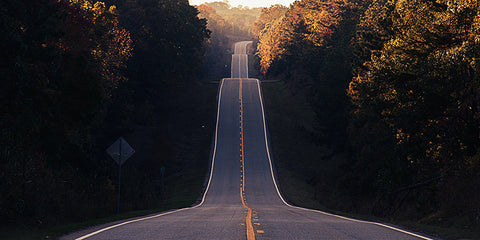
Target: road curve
<point>242,200</point>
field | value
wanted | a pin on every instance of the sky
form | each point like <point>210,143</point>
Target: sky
<point>249,3</point>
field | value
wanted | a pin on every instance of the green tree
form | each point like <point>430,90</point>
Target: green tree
<point>309,48</point>
<point>418,80</point>
<point>55,87</point>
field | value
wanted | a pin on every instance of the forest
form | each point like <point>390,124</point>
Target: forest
<point>394,86</point>
<point>228,25</point>
<point>388,109</point>
<point>77,75</point>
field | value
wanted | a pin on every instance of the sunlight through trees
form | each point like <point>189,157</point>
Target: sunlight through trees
<point>408,74</point>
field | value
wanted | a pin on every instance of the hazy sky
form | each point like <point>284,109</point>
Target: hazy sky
<point>249,3</point>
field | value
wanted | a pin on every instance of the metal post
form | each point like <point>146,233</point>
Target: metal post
<point>119,173</point>
<point>162,173</point>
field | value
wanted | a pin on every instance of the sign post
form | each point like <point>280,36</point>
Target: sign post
<point>120,151</point>
<point>162,173</point>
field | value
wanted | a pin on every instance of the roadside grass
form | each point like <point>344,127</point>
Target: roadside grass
<point>294,153</point>
<point>291,124</point>
<point>221,68</point>
<point>183,185</point>
<point>58,231</point>
<point>194,125</point>
<point>253,66</point>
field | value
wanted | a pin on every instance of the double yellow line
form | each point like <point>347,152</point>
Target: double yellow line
<point>248,220</point>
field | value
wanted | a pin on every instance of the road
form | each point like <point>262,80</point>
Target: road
<point>242,200</point>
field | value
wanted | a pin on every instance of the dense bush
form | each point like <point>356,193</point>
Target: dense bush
<point>395,86</point>
<point>76,75</point>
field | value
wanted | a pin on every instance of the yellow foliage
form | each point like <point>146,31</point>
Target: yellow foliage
<point>98,8</point>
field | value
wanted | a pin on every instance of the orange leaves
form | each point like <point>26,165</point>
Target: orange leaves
<point>419,59</point>
<point>119,50</point>
<point>332,5</point>
<point>267,16</point>
<point>320,19</point>
<point>98,8</point>
<point>296,14</point>
<point>402,136</point>
<point>111,44</point>
<point>307,23</point>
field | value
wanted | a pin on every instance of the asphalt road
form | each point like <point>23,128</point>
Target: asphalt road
<point>242,199</point>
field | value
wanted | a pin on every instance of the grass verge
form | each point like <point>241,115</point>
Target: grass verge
<point>57,231</point>
<point>292,127</point>
<point>184,179</point>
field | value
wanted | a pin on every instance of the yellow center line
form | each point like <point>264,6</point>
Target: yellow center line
<point>240,67</point>
<point>242,152</point>
<point>248,220</point>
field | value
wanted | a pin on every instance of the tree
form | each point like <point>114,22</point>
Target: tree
<point>168,37</point>
<point>267,16</point>
<point>417,78</point>
<point>309,48</point>
<point>61,60</point>
<point>227,25</point>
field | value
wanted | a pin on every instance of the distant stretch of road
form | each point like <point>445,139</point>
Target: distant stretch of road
<point>242,200</point>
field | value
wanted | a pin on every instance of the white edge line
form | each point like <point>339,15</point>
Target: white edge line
<point>248,42</point>
<point>313,210</point>
<point>239,52</point>
<point>178,210</point>
<point>246,60</point>
<point>231,66</point>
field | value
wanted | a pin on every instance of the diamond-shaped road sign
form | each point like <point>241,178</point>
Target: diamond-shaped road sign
<point>120,151</point>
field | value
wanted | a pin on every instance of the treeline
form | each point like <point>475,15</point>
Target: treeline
<point>228,25</point>
<point>233,22</point>
<point>76,75</point>
<point>395,85</point>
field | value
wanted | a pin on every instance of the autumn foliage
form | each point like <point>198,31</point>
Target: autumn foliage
<point>398,81</point>
<point>67,71</point>
<point>417,80</point>
<point>60,63</point>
